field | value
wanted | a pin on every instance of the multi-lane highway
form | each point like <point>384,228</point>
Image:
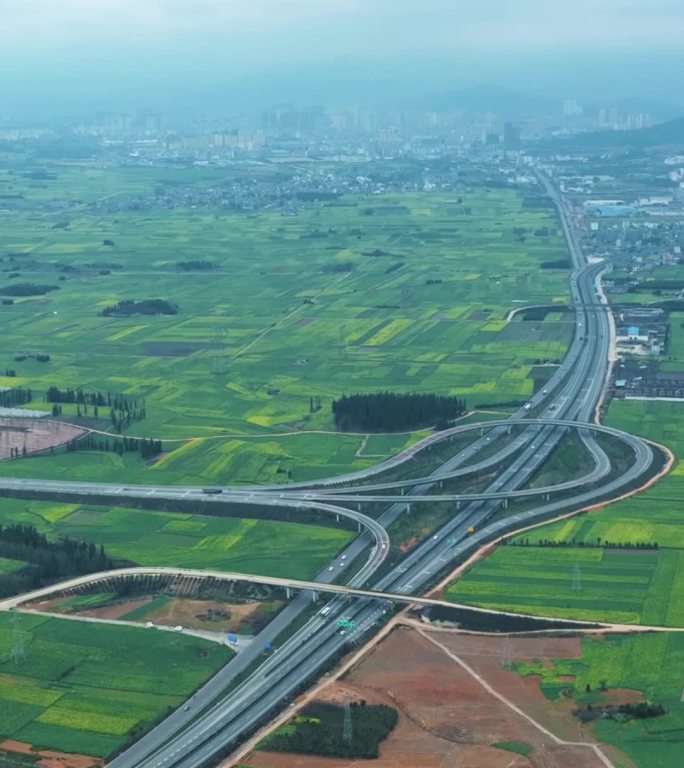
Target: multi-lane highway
<point>189,738</point>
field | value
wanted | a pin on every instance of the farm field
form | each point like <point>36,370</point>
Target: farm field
<point>379,290</point>
<point>251,459</point>
<point>625,665</point>
<point>145,537</point>
<point>646,586</point>
<point>67,689</point>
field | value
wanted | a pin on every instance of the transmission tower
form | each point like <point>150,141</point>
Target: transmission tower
<point>577,579</point>
<point>18,652</point>
<point>347,727</point>
<point>217,342</point>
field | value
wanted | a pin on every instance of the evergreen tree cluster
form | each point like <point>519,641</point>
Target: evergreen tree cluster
<point>128,307</point>
<point>320,731</point>
<point>84,397</point>
<point>389,411</point>
<point>10,398</point>
<point>640,710</point>
<point>47,560</point>
<point>148,447</point>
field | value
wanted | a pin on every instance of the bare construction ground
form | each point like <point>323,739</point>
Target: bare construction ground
<point>455,702</point>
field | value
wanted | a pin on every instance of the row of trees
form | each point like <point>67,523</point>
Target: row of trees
<point>599,542</point>
<point>10,398</point>
<point>148,447</point>
<point>389,411</point>
<point>96,397</point>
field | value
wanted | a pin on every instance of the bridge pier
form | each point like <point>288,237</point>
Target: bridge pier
<point>505,503</point>
<point>458,505</point>
<point>314,597</point>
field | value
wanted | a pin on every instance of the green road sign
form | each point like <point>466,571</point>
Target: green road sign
<point>346,623</point>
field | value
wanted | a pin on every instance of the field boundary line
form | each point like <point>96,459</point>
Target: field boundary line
<point>513,707</point>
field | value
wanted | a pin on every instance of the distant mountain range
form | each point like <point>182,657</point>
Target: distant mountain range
<point>670,133</point>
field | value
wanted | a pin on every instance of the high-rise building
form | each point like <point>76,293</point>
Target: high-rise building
<point>572,109</point>
<point>511,136</point>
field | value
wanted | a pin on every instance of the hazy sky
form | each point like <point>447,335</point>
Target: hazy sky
<point>81,51</point>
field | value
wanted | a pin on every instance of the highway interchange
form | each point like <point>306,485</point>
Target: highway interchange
<point>225,710</point>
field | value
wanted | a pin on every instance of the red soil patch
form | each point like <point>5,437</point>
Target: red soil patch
<point>486,655</point>
<point>408,544</point>
<point>48,758</point>
<point>34,435</point>
<point>447,719</point>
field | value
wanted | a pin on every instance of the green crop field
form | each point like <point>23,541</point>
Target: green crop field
<point>194,541</point>
<point>276,322</point>
<point>651,664</point>
<point>645,586</point>
<point>87,688</point>
<point>9,566</point>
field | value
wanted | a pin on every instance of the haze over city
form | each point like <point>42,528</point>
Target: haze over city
<point>56,55</point>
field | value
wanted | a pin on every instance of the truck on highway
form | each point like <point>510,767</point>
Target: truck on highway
<point>212,490</point>
<point>471,529</point>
